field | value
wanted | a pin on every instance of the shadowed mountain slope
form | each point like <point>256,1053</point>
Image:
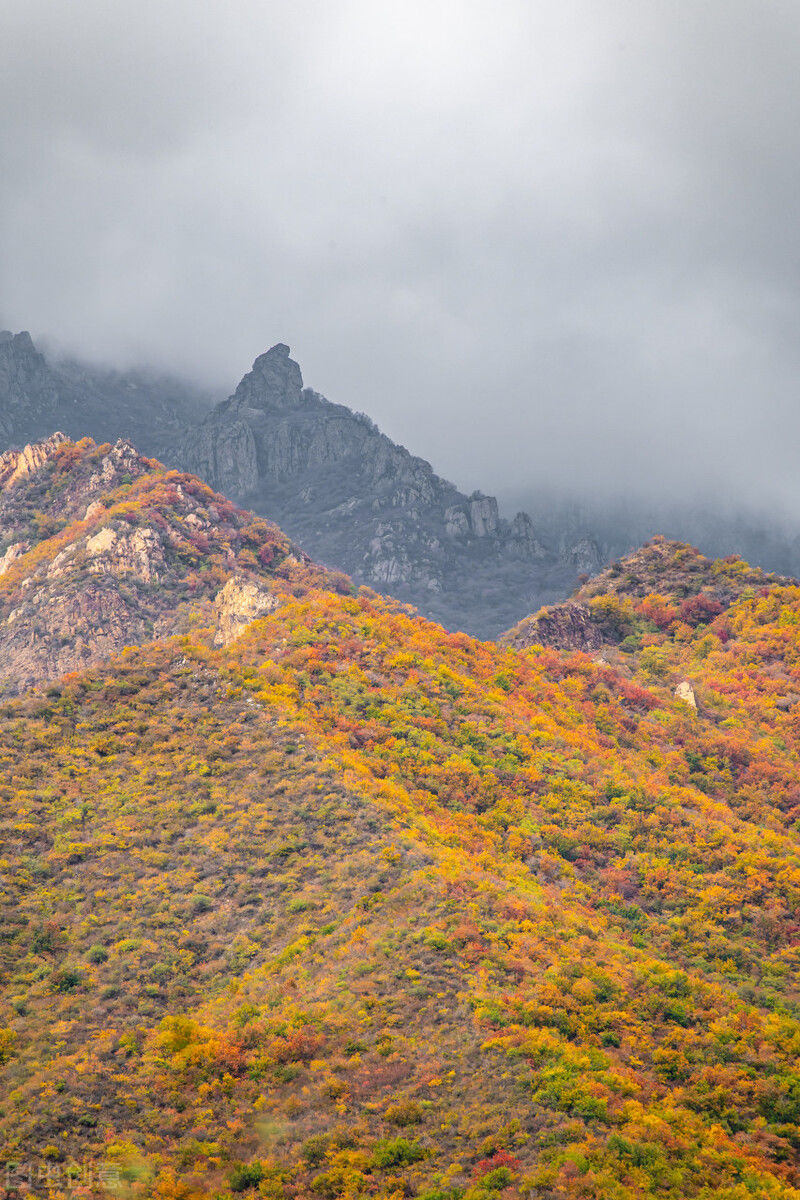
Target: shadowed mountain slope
<point>38,396</point>
<point>353,498</point>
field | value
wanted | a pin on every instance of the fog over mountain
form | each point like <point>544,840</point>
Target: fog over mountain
<point>549,244</point>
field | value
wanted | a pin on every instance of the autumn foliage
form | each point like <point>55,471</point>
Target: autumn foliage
<point>360,907</point>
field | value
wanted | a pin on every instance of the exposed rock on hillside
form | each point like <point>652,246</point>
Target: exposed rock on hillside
<point>239,602</point>
<point>567,626</point>
<point>354,498</point>
<point>101,548</point>
<point>685,692</point>
<point>15,464</point>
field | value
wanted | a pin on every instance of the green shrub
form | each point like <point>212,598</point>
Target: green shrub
<point>396,1152</point>
<point>245,1176</point>
<point>315,1149</point>
<point>67,979</point>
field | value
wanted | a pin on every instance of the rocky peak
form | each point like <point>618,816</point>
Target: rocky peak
<point>484,517</point>
<point>354,498</point>
<point>15,464</point>
<point>89,564</point>
<point>275,381</point>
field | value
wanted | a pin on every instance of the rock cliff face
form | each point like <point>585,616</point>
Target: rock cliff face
<point>567,626</point>
<point>38,396</point>
<point>238,603</point>
<point>16,464</point>
<point>354,498</point>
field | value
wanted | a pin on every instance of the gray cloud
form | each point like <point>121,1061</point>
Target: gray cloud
<point>540,243</point>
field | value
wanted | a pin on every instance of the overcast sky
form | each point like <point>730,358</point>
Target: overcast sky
<point>549,241</point>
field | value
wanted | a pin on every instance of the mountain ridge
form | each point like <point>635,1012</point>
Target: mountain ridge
<point>38,397</point>
<point>352,496</point>
<point>343,490</point>
<point>102,547</point>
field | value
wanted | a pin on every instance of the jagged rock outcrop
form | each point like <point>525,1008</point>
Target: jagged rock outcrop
<point>38,396</point>
<point>238,603</point>
<point>567,626</point>
<point>357,500</point>
<point>585,556</point>
<point>15,464</point>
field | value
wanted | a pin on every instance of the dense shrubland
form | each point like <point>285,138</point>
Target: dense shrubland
<point>359,907</point>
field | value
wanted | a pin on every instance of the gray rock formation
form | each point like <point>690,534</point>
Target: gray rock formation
<point>28,392</point>
<point>567,626</point>
<point>37,396</point>
<point>354,499</point>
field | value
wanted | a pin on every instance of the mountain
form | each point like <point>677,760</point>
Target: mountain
<point>349,495</point>
<point>335,903</point>
<point>38,397</point>
<point>355,499</point>
<point>665,585</point>
<point>102,548</point>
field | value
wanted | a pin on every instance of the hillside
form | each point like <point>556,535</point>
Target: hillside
<point>663,586</point>
<point>355,499</point>
<point>39,395</point>
<point>348,905</point>
<point>102,548</point>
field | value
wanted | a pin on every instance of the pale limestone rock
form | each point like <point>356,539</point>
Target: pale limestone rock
<point>102,542</point>
<point>14,551</point>
<point>456,522</point>
<point>685,692</point>
<point>137,553</point>
<point>60,564</point>
<point>524,536</point>
<point>238,603</point>
<point>146,555</point>
<point>16,464</point>
<point>483,515</point>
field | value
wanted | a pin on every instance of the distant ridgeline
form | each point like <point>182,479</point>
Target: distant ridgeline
<point>82,400</point>
<point>353,498</point>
